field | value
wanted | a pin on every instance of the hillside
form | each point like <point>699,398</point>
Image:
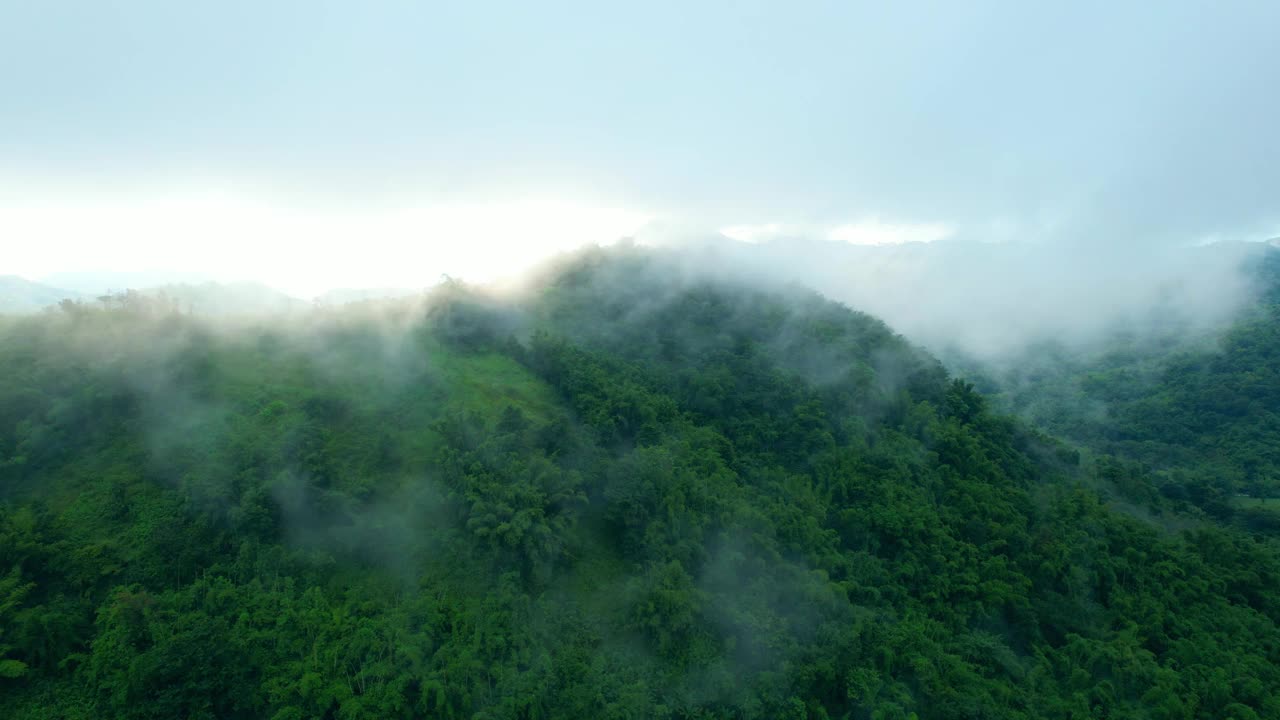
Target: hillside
<point>19,295</point>
<point>1197,417</point>
<point>633,491</point>
<point>227,298</point>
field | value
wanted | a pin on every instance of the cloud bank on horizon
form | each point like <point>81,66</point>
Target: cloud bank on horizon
<point>321,144</point>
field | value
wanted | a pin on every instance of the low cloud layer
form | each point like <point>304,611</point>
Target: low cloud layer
<point>994,300</point>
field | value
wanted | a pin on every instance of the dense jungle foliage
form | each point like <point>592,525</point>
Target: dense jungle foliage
<point>1178,420</point>
<point>631,492</point>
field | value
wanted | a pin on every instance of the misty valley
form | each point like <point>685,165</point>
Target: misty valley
<point>632,487</point>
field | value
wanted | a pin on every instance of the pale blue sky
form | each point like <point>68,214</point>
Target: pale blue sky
<point>1104,121</point>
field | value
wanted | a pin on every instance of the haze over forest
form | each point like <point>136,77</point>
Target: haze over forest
<point>317,147</point>
<point>734,360</point>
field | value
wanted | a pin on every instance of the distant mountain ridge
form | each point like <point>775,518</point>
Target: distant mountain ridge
<point>93,283</point>
<point>212,298</point>
<point>190,293</point>
<point>19,295</point>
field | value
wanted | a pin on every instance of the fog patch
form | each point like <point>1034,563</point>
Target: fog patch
<point>993,300</point>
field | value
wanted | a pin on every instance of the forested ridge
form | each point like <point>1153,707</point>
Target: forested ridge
<point>631,491</point>
<point>1185,421</point>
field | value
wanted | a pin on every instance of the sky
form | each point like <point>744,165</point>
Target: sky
<point>319,144</point>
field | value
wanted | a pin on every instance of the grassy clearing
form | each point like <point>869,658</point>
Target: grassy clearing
<point>487,383</point>
<point>1258,503</point>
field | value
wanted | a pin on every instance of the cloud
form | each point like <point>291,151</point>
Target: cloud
<point>1089,123</point>
<point>995,300</point>
<point>753,233</point>
<point>871,231</point>
<point>875,232</point>
<point>409,142</point>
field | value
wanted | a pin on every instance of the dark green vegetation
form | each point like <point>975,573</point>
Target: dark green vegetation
<point>1178,421</point>
<point>630,495</point>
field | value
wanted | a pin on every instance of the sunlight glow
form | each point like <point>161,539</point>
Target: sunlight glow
<point>301,251</point>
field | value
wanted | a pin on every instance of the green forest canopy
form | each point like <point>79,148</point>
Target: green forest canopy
<point>1198,416</point>
<point>633,492</point>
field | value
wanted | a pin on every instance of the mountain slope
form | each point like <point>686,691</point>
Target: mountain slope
<point>18,295</point>
<point>634,492</point>
<point>1201,418</point>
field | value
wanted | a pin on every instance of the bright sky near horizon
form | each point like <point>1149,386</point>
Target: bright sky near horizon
<point>318,144</point>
